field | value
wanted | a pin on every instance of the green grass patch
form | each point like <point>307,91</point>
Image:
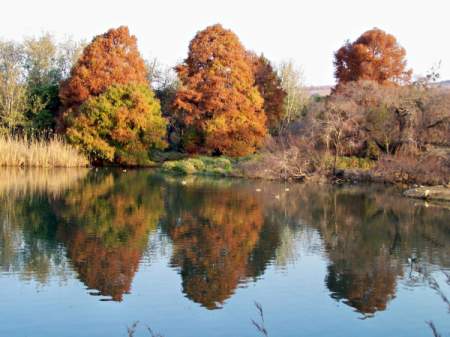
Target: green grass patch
<point>354,163</point>
<point>219,166</point>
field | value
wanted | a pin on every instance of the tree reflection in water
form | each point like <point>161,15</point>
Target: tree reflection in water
<point>224,233</point>
<point>369,234</point>
<point>103,222</point>
<point>216,230</point>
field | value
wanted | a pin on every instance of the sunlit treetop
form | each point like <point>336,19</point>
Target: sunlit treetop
<point>218,97</point>
<point>376,56</point>
<point>111,58</point>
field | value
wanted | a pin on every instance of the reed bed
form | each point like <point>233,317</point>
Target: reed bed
<point>36,152</point>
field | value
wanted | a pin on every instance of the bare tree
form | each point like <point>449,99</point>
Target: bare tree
<point>339,122</point>
<point>160,76</point>
<point>296,96</point>
<point>69,51</point>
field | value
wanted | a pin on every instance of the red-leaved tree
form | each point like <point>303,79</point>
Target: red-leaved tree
<point>218,102</point>
<point>269,85</point>
<point>111,58</point>
<point>375,56</point>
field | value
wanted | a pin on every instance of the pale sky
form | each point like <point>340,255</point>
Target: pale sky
<point>307,32</point>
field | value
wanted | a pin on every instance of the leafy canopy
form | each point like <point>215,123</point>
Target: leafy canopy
<point>218,102</point>
<point>376,56</point>
<point>270,87</point>
<point>111,58</point>
<point>119,126</point>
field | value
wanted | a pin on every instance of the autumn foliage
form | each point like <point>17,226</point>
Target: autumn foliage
<point>104,224</point>
<point>374,56</point>
<point>119,126</point>
<point>218,102</point>
<point>110,112</point>
<point>111,58</point>
<point>214,236</point>
<point>269,86</point>
<point>224,101</point>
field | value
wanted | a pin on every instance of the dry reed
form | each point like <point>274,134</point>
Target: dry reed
<point>35,152</point>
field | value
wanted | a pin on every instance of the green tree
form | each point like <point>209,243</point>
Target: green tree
<point>46,64</point>
<point>120,126</point>
<point>13,98</point>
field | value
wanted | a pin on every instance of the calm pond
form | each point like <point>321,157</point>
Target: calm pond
<point>87,253</point>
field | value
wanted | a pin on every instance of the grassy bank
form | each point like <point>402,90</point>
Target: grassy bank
<point>35,152</point>
<point>298,164</point>
<point>201,165</point>
<point>295,162</point>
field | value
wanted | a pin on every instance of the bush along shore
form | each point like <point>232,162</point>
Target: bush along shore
<point>348,170</point>
<point>223,111</point>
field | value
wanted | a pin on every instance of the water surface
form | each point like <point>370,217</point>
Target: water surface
<point>87,253</point>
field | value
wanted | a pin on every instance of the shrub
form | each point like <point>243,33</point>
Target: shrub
<point>354,163</point>
<point>427,169</point>
<point>119,126</point>
<point>183,167</point>
<point>289,159</point>
<point>199,165</point>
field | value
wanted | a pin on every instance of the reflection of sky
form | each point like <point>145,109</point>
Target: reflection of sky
<point>295,301</point>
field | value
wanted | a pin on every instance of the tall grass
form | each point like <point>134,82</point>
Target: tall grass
<point>36,152</point>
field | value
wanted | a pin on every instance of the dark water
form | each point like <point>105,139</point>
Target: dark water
<point>85,253</point>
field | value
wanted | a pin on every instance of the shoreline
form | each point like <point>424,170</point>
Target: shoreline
<point>438,193</point>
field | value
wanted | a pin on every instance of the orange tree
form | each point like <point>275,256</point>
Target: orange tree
<point>374,56</point>
<point>119,126</point>
<point>269,86</point>
<point>218,104</point>
<point>111,58</point>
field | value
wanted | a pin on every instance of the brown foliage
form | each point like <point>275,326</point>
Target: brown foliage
<point>391,118</point>
<point>434,118</point>
<point>269,86</point>
<point>336,123</point>
<point>375,56</point>
<point>217,102</point>
<point>368,290</point>
<point>111,58</point>
<point>291,158</point>
<point>406,128</point>
<point>430,168</point>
